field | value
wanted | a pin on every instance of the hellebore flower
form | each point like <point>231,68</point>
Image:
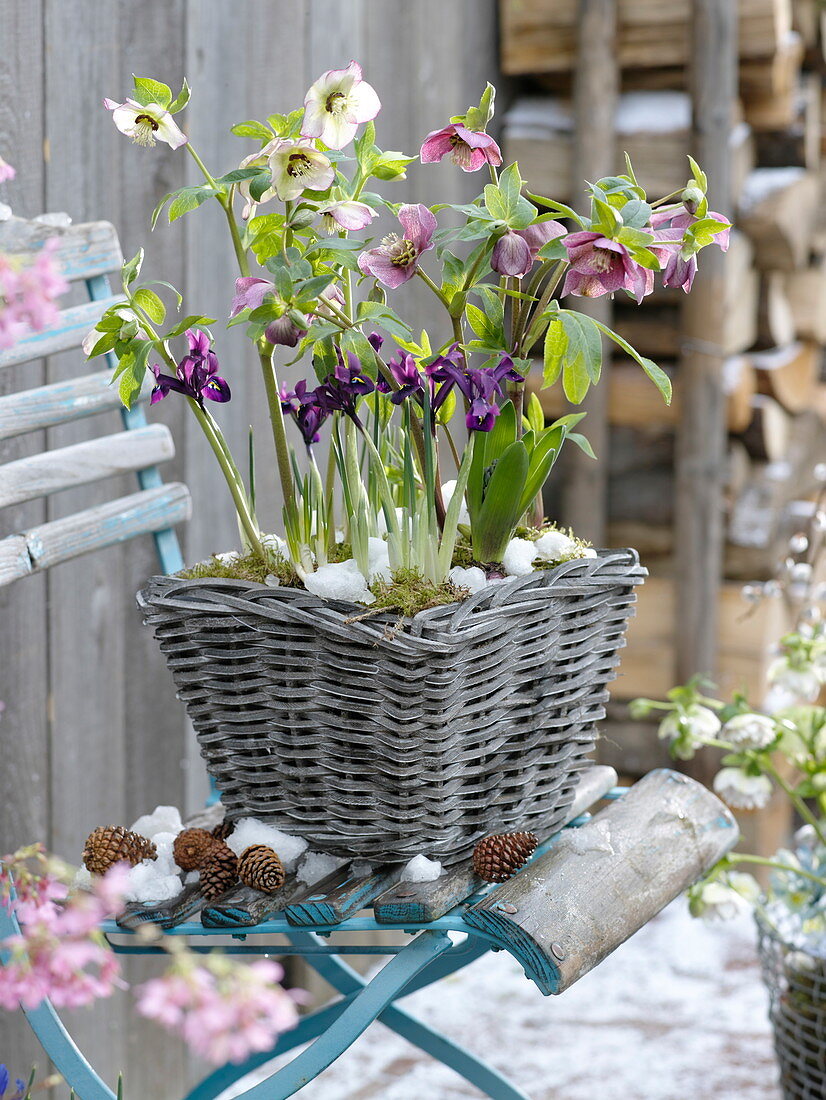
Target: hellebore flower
<point>6,173</point>
<point>256,160</point>
<point>335,105</point>
<point>347,214</point>
<point>601,266</point>
<point>296,167</point>
<point>679,270</point>
<point>406,373</point>
<point>397,258</point>
<point>197,374</point>
<point>144,124</point>
<point>742,791</point>
<point>516,250</point>
<point>469,149</point>
<point>250,293</point>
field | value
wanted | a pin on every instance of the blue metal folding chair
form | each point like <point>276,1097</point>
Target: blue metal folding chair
<point>573,903</point>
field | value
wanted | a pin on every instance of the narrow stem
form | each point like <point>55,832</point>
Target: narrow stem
<point>455,321</point>
<point>452,445</point>
<point>216,441</point>
<point>226,204</point>
<point>797,802</point>
<point>329,493</point>
<point>531,337</point>
<point>206,173</point>
<point>279,433</point>
<point>737,857</point>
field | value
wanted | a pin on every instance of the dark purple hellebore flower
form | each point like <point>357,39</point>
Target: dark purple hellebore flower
<point>669,227</point>
<point>515,252</point>
<point>469,149</point>
<point>601,266</point>
<point>397,258</point>
<point>196,375</point>
<point>250,293</point>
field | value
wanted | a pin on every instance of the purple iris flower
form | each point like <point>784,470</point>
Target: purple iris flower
<point>340,390</point>
<point>406,373</point>
<point>292,401</point>
<point>196,375</point>
<point>480,386</point>
<point>20,1086</point>
<point>309,419</point>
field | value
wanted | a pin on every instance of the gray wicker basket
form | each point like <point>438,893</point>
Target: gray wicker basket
<point>797,1009</point>
<point>380,740</point>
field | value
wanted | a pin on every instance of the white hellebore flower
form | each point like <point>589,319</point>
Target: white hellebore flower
<point>804,683</point>
<point>742,791</point>
<point>145,125</point>
<point>750,731</point>
<point>697,720</point>
<point>346,214</point>
<point>297,166</point>
<point>722,901</point>
<point>336,104</point>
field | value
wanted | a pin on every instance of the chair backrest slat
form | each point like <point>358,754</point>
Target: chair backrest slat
<point>149,511</point>
<point>82,463</point>
<point>83,251</point>
<point>88,253</point>
<point>60,403</point>
<point>75,322</point>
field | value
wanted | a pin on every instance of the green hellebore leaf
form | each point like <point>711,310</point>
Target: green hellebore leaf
<point>635,214</point>
<point>534,414</point>
<point>699,175</point>
<point>252,129</point>
<point>131,269</point>
<point>151,91</point>
<point>189,322</point>
<point>556,342</point>
<point>505,201</point>
<point>391,165</point>
<point>259,184</point>
<point>188,198</point>
<point>106,342</point>
<point>151,304</point>
<point>181,99</point>
<point>655,373</point>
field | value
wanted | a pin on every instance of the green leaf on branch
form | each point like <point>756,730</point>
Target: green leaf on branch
<point>151,305</point>
<point>252,129</point>
<point>558,208</point>
<point>655,373</point>
<point>391,165</point>
<point>181,99</point>
<point>636,213</point>
<point>573,349</point>
<point>556,343</point>
<point>106,342</point>
<point>505,202</point>
<point>383,315</point>
<point>490,330</point>
<point>188,198</point>
<point>188,322</point>
<point>149,91</point>
<point>534,414</point>
<point>131,269</point>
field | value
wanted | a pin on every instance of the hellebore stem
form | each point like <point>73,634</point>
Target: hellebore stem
<point>279,433</point>
<point>738,857</point>
<point>226,204</point>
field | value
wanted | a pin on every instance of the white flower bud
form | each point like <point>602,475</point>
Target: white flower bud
<point>742,791</point>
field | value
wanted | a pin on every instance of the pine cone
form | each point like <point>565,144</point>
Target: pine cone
<point>219,872</point>
<point>110,844</point>
<point>191,848</point>
<point>498,857</point>
<point>223,829</point>
<point>260,868</point>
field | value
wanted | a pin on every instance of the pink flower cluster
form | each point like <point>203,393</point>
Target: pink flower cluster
<point>223,1010</point>
<point>59,952</point>
<point>28,294</point>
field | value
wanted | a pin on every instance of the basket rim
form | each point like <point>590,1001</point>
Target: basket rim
<point>207,594</point>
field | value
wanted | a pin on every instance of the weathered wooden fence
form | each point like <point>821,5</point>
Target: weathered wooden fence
<point>91,732</point>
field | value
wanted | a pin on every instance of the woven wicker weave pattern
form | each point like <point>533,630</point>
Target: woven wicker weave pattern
<point>378,741</point>
<point>797,995</point>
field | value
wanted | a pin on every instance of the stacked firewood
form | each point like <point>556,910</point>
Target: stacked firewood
<point>775,292</point>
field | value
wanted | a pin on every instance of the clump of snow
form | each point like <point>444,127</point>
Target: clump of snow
<point>473,579</point>
<point>272,581</point>
<point>421,869</point>
<point>82,879</point>
<point>250,830</point>
<point>650,112</point>
<point>518,558</point>
<point>228,557</point>
<point>361,868</point>
<point>378,560</point>
<point>588,552</point>
<point>775,358</point>
<point>192,876</point>
<point>448,489</point>
<point>554,546</point>
<point>149,882</point>
<point>763,182</point>
<point>276,544</point>
<point>595,837</point>
<point>339,581</point>
<point>316,866</point>
<point>166,860</point>
<point>163,819</point>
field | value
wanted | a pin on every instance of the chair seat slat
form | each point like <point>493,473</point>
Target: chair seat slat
<point>95,528</point>
<point>60,403</point>
<point>75,322</point>
<point>82,463</point>
<point>84,250</point>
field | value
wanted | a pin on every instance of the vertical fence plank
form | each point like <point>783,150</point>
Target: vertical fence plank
<point>24,731</point>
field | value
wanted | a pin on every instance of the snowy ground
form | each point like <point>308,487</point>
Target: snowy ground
<point>679,1011</point>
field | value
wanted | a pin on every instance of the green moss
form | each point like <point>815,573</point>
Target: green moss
<point>340,552</point>
<point>249,567</point>
<point>409,593</point>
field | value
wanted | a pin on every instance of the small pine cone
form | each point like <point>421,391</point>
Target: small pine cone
<point>498,857</point>
<point>219,872</point>
<point>260,868</point>
<point>223,829</point>
<point>111,844</point>
<point>191,848</point>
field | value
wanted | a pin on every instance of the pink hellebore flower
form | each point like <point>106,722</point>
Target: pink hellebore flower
<point>6,171</point>
<point>601,266</point>
<point>250,293</point>
<point>515,252</point>
<point>336,104</point>
<point>397,258</point>
<point>144,124</point>
<point>347,214</point>
<point>298,166</point>
<point>469,149</point>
